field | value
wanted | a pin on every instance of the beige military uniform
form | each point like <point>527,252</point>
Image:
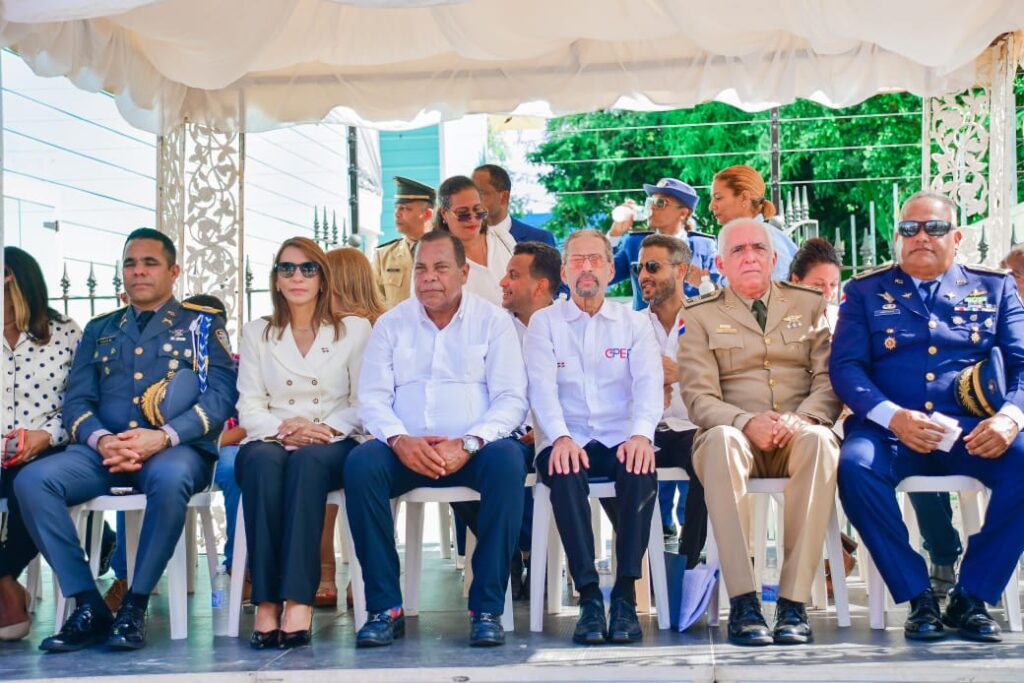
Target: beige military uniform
<point>392,270</point>
<point>729,371</point>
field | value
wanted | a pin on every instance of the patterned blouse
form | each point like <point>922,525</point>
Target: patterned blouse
<point>35,378</point>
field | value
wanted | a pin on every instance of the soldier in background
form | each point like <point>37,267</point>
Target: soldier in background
<point>392,261</point>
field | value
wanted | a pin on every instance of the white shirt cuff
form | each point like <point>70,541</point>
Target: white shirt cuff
<point>1014,413</point>
<point>882,413</point>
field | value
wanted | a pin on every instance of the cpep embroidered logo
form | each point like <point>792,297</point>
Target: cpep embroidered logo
<point>612,353</point>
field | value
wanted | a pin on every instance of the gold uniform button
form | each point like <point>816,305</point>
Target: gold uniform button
<point>775,406</point>
<point>932,324</point>
<point>932,350</point>
<point>133,424</point>
<point>767,340</point>
<point>928,405</point>
<point>138,376</point>
<point>135,400</point>
<point>138,350</point>
<point>771,382</point>
<point>930,376</point>
<point>767,364</point>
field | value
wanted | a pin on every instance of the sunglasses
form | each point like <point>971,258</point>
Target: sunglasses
<point>466,216</point>
<point>651,267</point>
<point>933,228</point>
<point>286,269</point>
<point>660,203</point>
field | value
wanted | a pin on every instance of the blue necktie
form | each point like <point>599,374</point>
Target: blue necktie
<point>927,290</point>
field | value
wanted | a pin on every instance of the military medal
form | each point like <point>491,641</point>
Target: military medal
<point>988,322</point>
<point>975,337</point>
<point>890,341</point>
<point>890,302</point>
<point>957,320</point>
<point>792,321</point>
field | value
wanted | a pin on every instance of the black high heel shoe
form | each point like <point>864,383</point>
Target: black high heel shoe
<point>290,639</point>
<point>261,640</point>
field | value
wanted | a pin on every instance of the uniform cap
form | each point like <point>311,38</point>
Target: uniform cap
<point>409,190</point>
<point>980,389</point>
<point>676,189</point>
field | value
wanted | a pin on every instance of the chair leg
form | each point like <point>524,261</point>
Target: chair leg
<point>342,542</point>
<point>239,560</point>
<point>413,557</point>
<point>711,553</point>
<point>444,528</point>
<point>191,551</point>
<point>656,559</point>
<point>34,582</point>
<point>761,507</point>
<point>596,528</point>
<point>834,547</point>
<point>95,523</point>
<point>133,527</point>
<point>876,591</point>
<point>508,621</point>
<point>210,541</point>
<point>355,572</point>
<point>539,555</point>
<point>467,575</point>
<point>643,584</point>
<point>177,589</point>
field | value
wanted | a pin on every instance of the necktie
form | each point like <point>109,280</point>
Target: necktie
<point>143,318</point>
<point>927,290</point>
<point>760,312</point>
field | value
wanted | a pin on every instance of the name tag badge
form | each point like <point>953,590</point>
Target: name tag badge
<point>726,329</point>
<point>887,311</point>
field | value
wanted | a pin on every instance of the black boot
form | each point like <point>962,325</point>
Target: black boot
<point>746,622</point>
<point>924,622</point>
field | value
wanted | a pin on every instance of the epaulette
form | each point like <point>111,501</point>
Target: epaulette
<point>101,316</point>
<point>703,298</point>
<point>389,242</point>
<point>977,268</point>
<point>199,309</point>
<point>797,285</point>
<point>874,271</point>
<point>702,234</point>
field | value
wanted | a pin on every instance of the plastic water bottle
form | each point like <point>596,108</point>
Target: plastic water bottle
<point>770,587</point>
<point>706,286</point>
<point>219,601</point>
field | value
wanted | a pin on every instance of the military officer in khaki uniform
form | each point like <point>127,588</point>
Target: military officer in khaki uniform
<point>392,261</point>
<point>753,370</point>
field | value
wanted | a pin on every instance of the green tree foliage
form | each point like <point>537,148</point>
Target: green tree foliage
<point>599,159</point>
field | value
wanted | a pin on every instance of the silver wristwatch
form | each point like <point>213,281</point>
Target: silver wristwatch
<point>471,444</point>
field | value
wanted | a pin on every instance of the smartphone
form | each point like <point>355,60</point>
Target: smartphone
<point>121,490</point>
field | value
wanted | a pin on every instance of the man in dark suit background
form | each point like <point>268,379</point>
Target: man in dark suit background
<point>495,187</point>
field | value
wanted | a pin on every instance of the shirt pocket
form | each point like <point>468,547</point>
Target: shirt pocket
<point>403,365</point>
<point>106,357</point>
<point>726,348</point>
<point>474,363</point>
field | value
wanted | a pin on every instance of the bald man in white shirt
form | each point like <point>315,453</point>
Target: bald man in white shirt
<point>596,394</point>
<point>441,389</point>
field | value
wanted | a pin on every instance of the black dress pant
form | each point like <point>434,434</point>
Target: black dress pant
<point>635,497</point>
<point>284,494</point>
<point>676,451</point>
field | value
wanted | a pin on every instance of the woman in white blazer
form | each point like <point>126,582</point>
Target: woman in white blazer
<point>297,377</point>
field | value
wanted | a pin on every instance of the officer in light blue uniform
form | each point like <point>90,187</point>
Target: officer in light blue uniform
<point>150,389</point>
<point>907,341</point>
<point>672,203</point>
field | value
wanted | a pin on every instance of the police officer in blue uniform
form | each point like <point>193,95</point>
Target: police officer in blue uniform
<point>907,337</point>
<point>126,363</point>
<point>672,203</point>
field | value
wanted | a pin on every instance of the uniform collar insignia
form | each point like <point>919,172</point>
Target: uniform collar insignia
<point>907,295</point>
<point>889,299</point>
<point>977,292</point>
<point>961,282</point>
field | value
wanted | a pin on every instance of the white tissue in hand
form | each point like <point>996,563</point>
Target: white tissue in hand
<point>953,431</point>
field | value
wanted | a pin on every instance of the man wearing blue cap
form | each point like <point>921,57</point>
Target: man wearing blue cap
<point>672,203</point>
<point>906,334</point>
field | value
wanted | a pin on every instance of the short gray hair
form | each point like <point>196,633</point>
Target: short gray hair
<point>931,195</point>
<point>588,232</point>
<point>723,235</point>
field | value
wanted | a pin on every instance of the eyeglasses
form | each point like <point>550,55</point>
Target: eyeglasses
<point>651,266</point>
<point>577,260</point>
<point>286,269</point>
<point>465,215</point>
<point>660,203</point>
<point>933,228</point>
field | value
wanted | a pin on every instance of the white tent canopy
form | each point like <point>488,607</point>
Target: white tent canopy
<point>254,64</point>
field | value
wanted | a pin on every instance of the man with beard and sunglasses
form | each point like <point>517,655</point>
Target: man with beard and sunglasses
<point>595,388</point>
<point>660,271</point>
<point>917,341</point>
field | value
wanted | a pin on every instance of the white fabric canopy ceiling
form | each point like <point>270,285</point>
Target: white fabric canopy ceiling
<point>255,64</point>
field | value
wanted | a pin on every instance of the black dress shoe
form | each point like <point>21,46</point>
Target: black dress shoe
<point>292,639</point>
<point>746,622</point>
<point>791,627</point>
<point>591,627</point>
<point>485,630</point>
<point>83,628</point>
<point>381,629</point>
<point>924,622</point>
<point>942,578</point>
<point>261,640</point>
<point>968,614</point>
<point>129,629</point>
<point>623,626</point>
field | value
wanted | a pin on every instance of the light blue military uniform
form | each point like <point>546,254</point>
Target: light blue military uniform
<point>888,346</point>
<point>115,364</point>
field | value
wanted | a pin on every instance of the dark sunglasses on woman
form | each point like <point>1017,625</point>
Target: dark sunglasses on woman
<point>286,269</point>
<point>933,228</point>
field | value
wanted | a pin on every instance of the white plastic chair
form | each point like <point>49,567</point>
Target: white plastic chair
<point>973,498</point>
<point>546,551</point>
<point>177,568</point>
<point>776,486</point>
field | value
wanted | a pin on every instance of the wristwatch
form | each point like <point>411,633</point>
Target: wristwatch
<point>471,444</point>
